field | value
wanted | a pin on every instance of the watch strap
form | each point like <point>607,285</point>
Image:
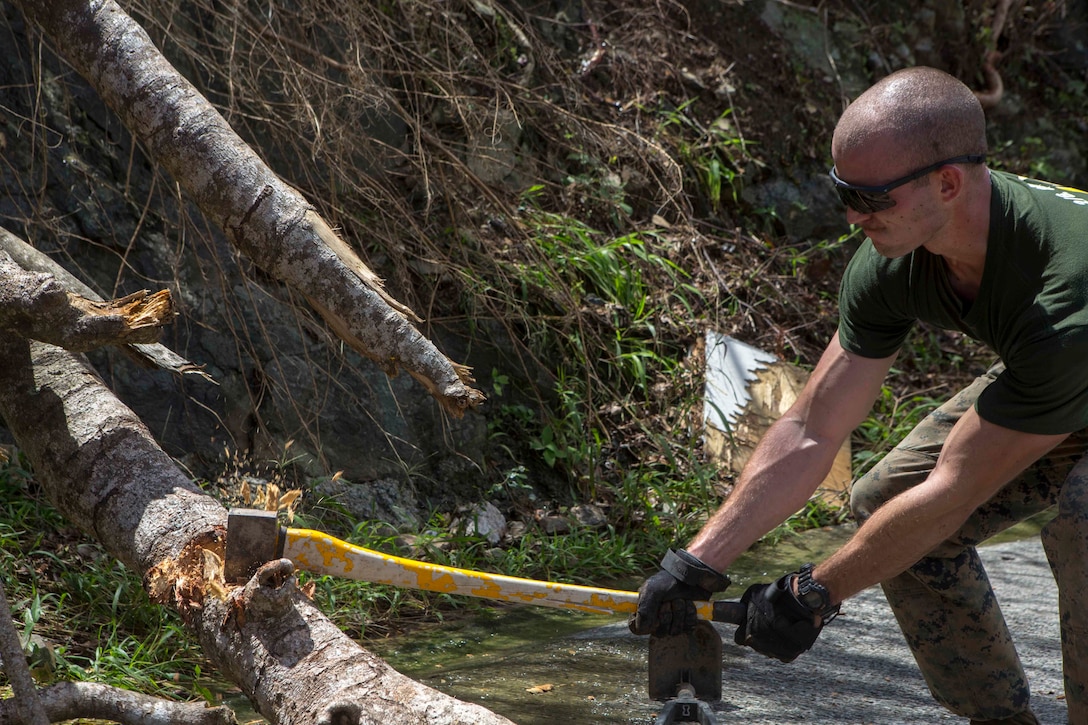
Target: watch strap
<point>689,569</point>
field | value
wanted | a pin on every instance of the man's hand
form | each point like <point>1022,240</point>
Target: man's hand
<point>666,601</point>
<point>778,625</point>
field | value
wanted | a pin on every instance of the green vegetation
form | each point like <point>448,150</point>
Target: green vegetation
<point>93,618</point>
<point>602,275</point>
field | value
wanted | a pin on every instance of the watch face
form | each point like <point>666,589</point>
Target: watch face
<point>814,600</point>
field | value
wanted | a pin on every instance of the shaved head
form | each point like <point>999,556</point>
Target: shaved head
<point>925,114</point>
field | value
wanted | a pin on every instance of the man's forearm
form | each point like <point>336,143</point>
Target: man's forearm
<point>772,487</point>
<point>977,459</point>
<point>898,535</point>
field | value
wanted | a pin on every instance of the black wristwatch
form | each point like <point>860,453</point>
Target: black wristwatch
<point>814,595</point>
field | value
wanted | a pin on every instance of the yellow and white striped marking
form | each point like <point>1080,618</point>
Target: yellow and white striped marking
<point>319,553</point>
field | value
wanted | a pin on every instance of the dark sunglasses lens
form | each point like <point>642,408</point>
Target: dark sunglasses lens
<point>865,202</point>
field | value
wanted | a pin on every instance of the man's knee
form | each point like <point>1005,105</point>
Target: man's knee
<point>904,467</point>
<point>862,501</point>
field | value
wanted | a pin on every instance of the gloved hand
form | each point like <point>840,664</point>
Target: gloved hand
<point>778,625</point>
<point>666,601</point>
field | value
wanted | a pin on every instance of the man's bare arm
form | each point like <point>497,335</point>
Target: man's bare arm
<point>977,460</point>
<point>795,455</point>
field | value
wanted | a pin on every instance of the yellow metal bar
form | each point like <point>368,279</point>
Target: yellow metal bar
<point>320,553</point>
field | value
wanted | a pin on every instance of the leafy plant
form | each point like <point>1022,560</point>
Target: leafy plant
<point>715,151</point>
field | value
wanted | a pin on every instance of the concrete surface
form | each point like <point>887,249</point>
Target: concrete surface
<point>860,670</point>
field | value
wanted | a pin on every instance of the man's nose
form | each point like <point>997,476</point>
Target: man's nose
<point>853,216</point>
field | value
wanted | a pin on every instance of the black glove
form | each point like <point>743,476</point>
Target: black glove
<point>666,601</point>
<point>778,625</point>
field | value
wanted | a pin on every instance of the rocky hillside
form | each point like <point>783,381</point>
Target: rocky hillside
<point>570,193</point>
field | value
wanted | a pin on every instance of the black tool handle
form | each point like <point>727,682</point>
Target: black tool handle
<point>730,612</point>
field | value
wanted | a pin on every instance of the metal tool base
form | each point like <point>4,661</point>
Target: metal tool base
<point>693,658</point>
<point>685,672</point>
<point>686,708</point>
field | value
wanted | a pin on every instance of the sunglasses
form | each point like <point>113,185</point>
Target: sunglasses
<point>871,199</point>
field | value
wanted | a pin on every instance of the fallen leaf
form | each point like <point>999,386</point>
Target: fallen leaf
<point>537,689</point>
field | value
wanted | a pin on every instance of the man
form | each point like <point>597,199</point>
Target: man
<point>1005,260</point>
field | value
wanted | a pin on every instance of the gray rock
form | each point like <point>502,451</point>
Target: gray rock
<point>386,500</point>
<point>487,521</point>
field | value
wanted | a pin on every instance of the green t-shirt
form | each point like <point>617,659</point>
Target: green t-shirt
<point>1032,306</point>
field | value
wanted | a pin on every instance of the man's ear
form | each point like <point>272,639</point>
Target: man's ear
<point>952,180</point>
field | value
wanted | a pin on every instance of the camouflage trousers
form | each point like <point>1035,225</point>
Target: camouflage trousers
<point>944,604</point>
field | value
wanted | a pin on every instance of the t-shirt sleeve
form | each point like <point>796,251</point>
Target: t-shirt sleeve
<point>872,304</point>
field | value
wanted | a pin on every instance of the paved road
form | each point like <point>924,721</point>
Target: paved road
<point>860,671</point>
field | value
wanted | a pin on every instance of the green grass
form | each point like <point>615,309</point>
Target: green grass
<point>96,622</point>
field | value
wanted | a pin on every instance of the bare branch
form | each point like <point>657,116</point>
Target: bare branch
<point>71,700</point>
<point>37,306</point>
<point>154,355</point>
<point>25,706</point>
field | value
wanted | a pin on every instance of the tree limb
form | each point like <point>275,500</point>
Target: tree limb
<point>155,355</point>
<point>71,700</point>
<point>25,706</point>
<point>37,306</point>
<point>262,216</point>
<point>100,467</point>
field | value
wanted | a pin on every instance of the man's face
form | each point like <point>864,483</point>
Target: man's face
<point>914,218</point>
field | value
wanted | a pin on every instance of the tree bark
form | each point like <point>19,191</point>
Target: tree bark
<point>264,217</point>
<point>37,306</point>
<point>153,355</point>
<point>71,700</point>
<point>100,466</point>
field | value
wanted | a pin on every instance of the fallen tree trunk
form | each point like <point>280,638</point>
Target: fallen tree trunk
<point>265,218</point>
<point>100,466</point>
